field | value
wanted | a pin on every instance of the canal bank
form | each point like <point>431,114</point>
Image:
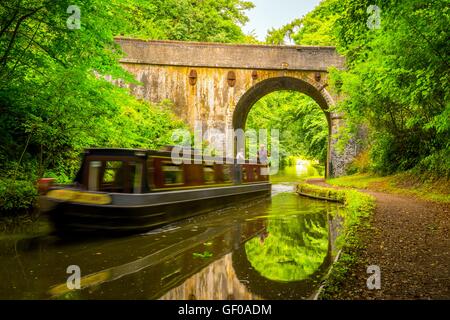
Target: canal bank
<point>359,209</point>
<point>408,240</point>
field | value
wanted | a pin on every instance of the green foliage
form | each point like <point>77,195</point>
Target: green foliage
<point>54,100</point>
<point>284,34</point>
<point>206,20</point>
<point>16,196</point>
<point>425,185</point>
<point>320,193</point>
<point>204,255</point>
<point>438,164</point>
<point>295,245</point>
<point>315,28</point>
<point>302,124</point>
<point>397,79</point>
<point>295,169</point>
<point>361,163</point>
<point>358,205</point>
<point>52,130</point>
<point>398,82</point>
<point>359,208</point>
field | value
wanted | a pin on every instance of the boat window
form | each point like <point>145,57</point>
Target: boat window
<point>208,174</point>
<point>172,174</point>
<point>111,170</point>
<point>94,168</point>
<point>136,169</point>
<point>113,176</point>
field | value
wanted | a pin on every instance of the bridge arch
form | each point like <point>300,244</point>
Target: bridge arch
<point>267,86</point>
<point>216,84</point>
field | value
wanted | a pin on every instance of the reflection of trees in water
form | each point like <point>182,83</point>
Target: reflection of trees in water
<point>296,243</point>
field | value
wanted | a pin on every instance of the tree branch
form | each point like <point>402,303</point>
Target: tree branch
<point>13,38</point>
<point>11,72</point>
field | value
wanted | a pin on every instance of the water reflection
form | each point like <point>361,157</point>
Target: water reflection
<point>218,281</point>
<point>274,249</point>
<point>286,260</point>
<point>295,242</point>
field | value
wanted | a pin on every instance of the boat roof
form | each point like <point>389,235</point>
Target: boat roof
<point>119,151</point>
<point>166,152</point>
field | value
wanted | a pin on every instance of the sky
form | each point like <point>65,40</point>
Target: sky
<point>275,13</point>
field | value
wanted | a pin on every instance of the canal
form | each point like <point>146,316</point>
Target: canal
<point>275,248</point>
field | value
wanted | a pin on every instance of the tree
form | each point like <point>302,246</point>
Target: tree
<point>302,124</point>
<point>54,100</point>
<point>397,77</point>
<point>397,82</point>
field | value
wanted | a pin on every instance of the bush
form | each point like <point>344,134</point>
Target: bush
<point>361,163</point>
<point>436,164</point>
<point>16,197</point>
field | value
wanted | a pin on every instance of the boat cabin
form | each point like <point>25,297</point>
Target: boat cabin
<point>143,171</point>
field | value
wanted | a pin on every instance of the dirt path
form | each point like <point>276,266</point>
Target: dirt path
<point>410,242</point>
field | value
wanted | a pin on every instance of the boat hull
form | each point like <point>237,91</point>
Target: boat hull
<point>137,213</point>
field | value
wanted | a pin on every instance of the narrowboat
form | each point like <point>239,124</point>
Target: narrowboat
<point>134,190</point>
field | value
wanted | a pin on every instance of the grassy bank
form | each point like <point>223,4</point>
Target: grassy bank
<point>420,186</point>
<point>358,213</point>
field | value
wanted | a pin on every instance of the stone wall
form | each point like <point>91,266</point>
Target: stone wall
<point>233,56</point>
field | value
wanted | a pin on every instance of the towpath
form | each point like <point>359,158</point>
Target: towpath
<point>410,242</point>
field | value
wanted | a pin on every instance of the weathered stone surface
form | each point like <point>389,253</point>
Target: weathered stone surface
<point>239,56</point>
<point>196,77</point>
<point>340,160</point>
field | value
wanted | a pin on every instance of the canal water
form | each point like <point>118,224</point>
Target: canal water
<point>275,248</point>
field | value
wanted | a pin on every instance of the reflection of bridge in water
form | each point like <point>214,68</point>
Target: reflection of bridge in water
<point>158,272</point>
<point>218,281</point>
<point>233,277</point>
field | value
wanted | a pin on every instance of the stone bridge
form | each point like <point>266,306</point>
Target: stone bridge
<point>218,84</point>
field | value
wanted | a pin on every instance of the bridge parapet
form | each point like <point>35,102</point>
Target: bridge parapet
<point>234,56</point>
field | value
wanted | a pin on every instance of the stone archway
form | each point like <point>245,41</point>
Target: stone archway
<point>270,85</point>
<point>216,84</point>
